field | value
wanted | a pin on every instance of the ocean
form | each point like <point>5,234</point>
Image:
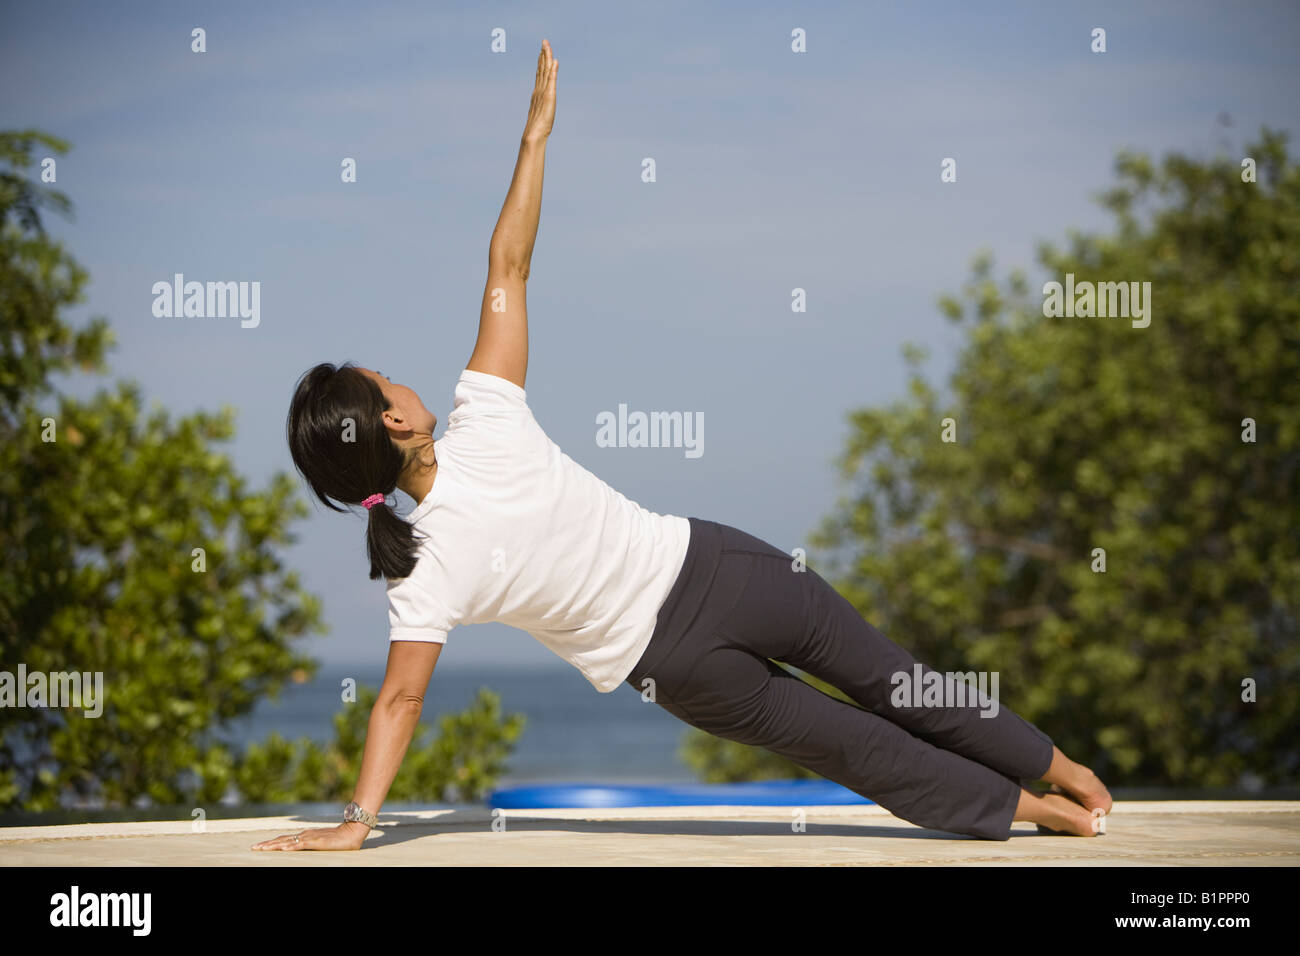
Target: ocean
<point>573,733</point>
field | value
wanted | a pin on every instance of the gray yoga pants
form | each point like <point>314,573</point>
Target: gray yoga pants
<point>739,603</point>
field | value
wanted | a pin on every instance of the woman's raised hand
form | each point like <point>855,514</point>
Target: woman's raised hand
<point>541,111</point>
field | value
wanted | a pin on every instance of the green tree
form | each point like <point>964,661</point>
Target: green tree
<point>102,508</point>
<point>1076,434</point>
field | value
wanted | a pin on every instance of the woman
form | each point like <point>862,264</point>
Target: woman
<point>688,611</point>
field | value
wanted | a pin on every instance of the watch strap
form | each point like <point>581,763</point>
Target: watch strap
<point>353,813</point>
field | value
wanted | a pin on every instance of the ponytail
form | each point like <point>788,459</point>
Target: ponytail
<point>390,543</point>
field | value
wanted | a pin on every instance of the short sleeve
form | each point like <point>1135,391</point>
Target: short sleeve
<point>416,615</point>
<point>481,394</point>
<point>490,431</point>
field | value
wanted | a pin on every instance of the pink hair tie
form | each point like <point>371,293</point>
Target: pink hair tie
<point>372,501</point>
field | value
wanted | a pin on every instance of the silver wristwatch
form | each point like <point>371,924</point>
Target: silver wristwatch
<point>353,813</point>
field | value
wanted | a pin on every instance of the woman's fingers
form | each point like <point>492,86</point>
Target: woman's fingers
<point>546,80</point>
<point>317,838</point>
<point>290,841</point>
<point>545,66</point>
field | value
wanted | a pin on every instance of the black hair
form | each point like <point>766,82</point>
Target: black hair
<point>343,450</point>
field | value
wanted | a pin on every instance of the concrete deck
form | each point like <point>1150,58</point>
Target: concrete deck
<point>1182,833</point>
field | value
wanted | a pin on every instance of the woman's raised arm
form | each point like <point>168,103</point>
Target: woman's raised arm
<point>502,346</point>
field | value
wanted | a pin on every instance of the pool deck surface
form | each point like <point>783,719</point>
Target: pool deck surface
<point>1167,833</point>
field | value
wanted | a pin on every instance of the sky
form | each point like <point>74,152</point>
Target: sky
<point>775,170</point>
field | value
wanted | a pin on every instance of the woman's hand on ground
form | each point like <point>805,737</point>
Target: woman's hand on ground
<point>541,111</point>
<point>345,836</point>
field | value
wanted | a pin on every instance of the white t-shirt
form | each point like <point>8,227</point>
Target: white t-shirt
<point>516,531</point>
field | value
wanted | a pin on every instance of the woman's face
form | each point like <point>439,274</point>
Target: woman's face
<point>405,408</point>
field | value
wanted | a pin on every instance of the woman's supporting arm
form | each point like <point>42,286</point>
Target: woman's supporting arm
<point>393,720</point>
<point>502,346</point>
<point>392,725</point>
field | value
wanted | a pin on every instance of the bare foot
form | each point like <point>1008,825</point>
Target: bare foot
<point>1086,787</point>
<point>1058,812</point>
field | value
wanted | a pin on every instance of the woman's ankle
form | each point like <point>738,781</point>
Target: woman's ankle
<point>1063,771</point>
